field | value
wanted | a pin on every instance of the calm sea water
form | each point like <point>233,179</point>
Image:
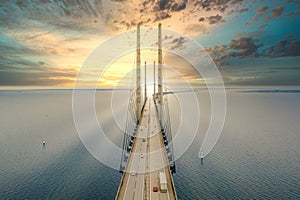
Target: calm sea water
<point>257,156</point>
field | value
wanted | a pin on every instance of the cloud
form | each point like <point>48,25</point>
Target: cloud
<point>244,47</point>
<point>250,47</point>
<point>243,10</point>
<point>215,19</point>
<point>218,54</point>
<point>176,43</point>
<point>178,6</point>
<point>201,19</point>
<point>263,9</point>
<point>263,26</point>
<point>46,35</point>
<point>47,9</point>
<point>164,4</point>
<point>20,71</point>
<point>276,12</point>
<point>10,47</point>
<point>38,35</point>
<point>284,48</point>
<point>217,5</point>
<point>267,16</point>
<point>161,16</point>
<point>256,17</point>
<point>172,5</point>
<point>293,13</point>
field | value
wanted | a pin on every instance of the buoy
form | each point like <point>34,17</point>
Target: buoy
<point>201,156</point>
<point>44,142</point>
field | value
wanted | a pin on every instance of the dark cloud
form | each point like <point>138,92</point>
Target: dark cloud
<point>179,40</point>
<point>263,9</point>
<point>263,26</point>
<point>164,4</point>
<point>217,5</point>
<point>256,17</point>
<point>178,6</point>
<point>241,48</point>
<point>293,13</point>
<point>215,19</point>
<point>172,5</point>
<point>162,15</point>
<point>276,12</point>
<point>249,47</point>
<point>218,54</point>
<point>284,48</point>
<point>201,19</point>
<point>175,43</point>
<point>178,43</point>
<point>244,47</point>
<point>243,10</point>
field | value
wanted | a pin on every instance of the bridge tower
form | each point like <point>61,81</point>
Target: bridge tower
<point>160,88</point>
<point>145,97</point>
<point>154,77</point>
<point>138,76</point>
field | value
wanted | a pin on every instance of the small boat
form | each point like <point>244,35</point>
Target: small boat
<point>44,142</point>
<point>201,155</point>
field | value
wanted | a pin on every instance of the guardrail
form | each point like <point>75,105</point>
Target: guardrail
<point>173,185</point>
<point>120,186</point>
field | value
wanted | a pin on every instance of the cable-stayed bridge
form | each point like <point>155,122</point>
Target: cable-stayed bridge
<point>147,160</point>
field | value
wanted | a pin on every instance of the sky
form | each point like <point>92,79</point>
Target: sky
<point>44,43</point>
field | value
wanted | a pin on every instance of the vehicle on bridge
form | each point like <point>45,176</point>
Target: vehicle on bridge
<point>162,182</point>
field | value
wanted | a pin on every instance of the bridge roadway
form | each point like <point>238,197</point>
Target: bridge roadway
<point>146,161</point>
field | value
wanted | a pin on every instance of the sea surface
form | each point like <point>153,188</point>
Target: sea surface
<point>256,157</point>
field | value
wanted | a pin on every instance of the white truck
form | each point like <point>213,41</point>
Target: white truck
<point>162,182</point>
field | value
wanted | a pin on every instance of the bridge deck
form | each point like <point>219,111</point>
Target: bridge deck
<point>146,161</point>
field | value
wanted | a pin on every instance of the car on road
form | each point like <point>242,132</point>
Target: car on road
<point>133,173</point>
<point>155,189</point>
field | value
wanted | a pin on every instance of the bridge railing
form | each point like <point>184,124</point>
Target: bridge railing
<point>132,123</point>
<point>166,129</point>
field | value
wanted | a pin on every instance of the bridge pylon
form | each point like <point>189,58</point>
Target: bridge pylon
<point>138,76</point>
